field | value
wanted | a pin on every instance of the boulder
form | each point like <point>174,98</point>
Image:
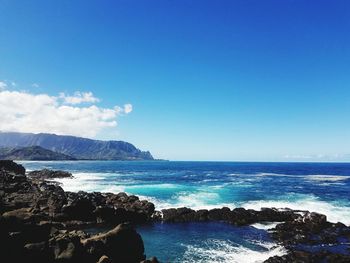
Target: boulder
<point>218,214</point>
<point>51,200</point>
<point>275,215</point>
<point>183,214</point>
<point>16,192</point>
<point>12,167</point>
<point>121,244</point>
<point>67,246</point>
<point>47,174</point>
<point>79,207</point>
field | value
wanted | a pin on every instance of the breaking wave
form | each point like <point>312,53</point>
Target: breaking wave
<point>213,250</point>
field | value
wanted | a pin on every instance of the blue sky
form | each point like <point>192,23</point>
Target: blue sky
<point>208,80</point>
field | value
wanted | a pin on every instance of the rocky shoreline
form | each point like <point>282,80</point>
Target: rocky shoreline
<point>40,222</point>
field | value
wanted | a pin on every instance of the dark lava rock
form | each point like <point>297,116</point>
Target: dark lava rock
<point>298,256</point>
<point>12,167</point>
<point>49,174</point>
<point>67,246</point>
<point>121,244</point>
<point>306,228</point>
<point>35,215</point>
<point>51,200</point>
<point>22,242</point>
<point>178,214</point>
<point>39,200</point>
<point>79,207</point>
<point>309,231</point>
<point>237,216</point>
<point>16,192</point>
<point>295,228</point>
<point>276,215</point>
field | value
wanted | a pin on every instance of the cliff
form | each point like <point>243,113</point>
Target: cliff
<point>75,147</point>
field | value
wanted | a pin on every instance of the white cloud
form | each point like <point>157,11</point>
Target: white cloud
<point>127,108</point>
<point>35,85</point>
<point>3,85</point>
<point>25,112</point>
<point>79,97</point>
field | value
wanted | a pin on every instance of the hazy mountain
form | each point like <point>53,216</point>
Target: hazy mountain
<point>31,153</point>
<point>76,147</point>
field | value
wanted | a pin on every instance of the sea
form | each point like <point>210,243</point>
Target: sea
<point>318,187</point>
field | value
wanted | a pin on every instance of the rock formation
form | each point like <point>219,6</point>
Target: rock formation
<point>40,222</point>
<point>43,146</point>
<point>36,218</point>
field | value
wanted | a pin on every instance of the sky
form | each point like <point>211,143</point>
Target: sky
<point>238,80</point>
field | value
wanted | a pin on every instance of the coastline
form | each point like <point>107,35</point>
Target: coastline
<point>53,207</point>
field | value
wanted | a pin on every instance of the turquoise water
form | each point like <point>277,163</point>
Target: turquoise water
<point>317,187</point>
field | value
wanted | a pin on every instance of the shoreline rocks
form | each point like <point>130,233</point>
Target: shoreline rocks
<point>47,174</point>
<point>37,199</point>
<point>12,167</point>
<point>237,216</point>
<point>40,222</point>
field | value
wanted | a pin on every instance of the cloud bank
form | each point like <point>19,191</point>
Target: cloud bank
<point>3,85</point>
<point>79,97</point>
<point>64,114</point>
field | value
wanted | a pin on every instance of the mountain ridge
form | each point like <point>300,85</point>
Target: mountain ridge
<point>33,153</point>
<point>77,147</point>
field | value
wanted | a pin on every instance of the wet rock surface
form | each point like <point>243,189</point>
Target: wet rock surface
<point>308,237</point>
<point>11,167</point>
<point>40,222</point>
<point>47,174</point>
<point>237,216</point>
<point>115,244</point>
<point>23,242</point>
<point>38,200</point>
<point>311,238</point>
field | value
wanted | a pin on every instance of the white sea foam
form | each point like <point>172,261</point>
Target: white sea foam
<point>334,212</point>
<point>199,200</point>
<point>196,201</point>
<point>265,225</point>
<point>158,203</point>
<point>311,177</point>
<point>331,178</point>
<point>91,182</point>
<point>88,182</point>
<point>225,251</point>
<point>330,183</point>
<point>207,198</point>
<point>92,186</point>
<point>90,176</point>
<point>274,174</point>
<point>155,186</point>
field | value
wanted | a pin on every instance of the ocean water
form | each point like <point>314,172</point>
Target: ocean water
<point>319,187</point>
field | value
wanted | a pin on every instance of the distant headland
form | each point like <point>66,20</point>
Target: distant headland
<point>43,146</point>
